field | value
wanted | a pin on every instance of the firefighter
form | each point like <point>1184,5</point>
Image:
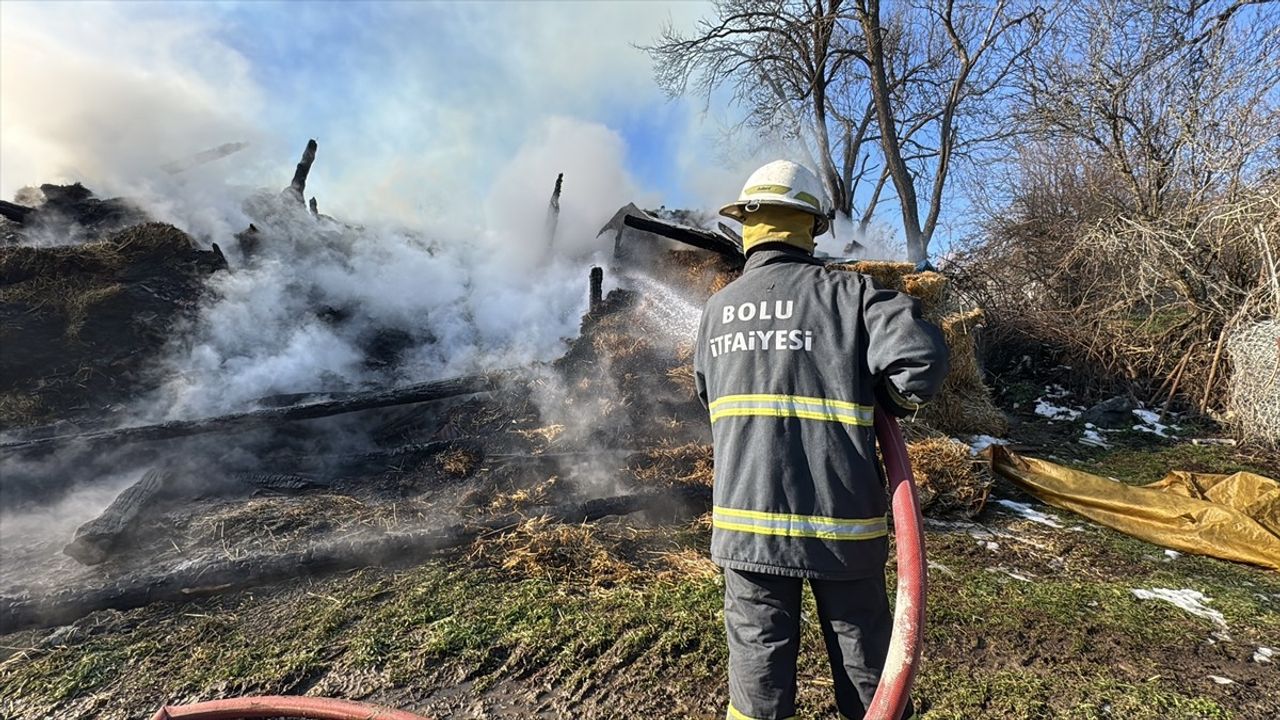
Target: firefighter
<point>790,358</point>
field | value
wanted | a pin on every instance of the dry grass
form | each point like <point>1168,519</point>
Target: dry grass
<point>19,409</point>
<point>701,273</point>
<point>543,548</point>
<point>682,377</point>
<point>950,479</point>
<point>519,499</point>
<point>619,345</point>
<point>547,434</point>
<point>931,289</point>
<point>459,463</point>
<point>688,464</point>
<point>964,405</point>
<point>685,564</point>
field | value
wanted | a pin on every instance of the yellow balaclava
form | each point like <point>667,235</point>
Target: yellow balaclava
<point>774,223</point>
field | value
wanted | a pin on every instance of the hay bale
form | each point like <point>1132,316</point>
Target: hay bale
<point>964,404</point>
<point>949,478</point>
<point>886,273</point>
<point>930,288</point>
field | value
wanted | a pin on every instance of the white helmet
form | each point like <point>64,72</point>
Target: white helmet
<point>782,182</point>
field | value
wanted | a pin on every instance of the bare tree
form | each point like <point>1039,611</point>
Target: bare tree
<point>784,62</point>
<point>1177,97</point>
<point>917,85</point>
<point>938,71</point>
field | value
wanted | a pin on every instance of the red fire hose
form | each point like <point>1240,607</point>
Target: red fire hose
<point>281,706</point>
<point>895,682</point>
<point>900,667</point>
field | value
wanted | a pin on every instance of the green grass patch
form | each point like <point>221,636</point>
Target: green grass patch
<point>1149,462</point>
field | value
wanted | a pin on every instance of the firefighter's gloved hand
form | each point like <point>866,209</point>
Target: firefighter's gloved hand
<point>894,402</point>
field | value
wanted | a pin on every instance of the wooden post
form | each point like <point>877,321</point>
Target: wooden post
<point>597,288</point>
<point>299,183</point>
<point>553,211</point>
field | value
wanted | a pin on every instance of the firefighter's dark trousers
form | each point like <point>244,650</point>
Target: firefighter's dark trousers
<point>762,620</point>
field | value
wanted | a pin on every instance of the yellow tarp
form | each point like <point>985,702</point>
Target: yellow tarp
<point>1233,517</point>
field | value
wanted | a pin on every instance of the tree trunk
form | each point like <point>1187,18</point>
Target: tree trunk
<point>891,147</point>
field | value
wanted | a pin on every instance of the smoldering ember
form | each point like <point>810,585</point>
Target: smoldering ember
<point>262,456</point>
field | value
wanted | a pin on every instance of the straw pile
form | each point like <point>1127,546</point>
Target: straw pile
<point>949,478</point>
<point>542,548</point>
<point>965,404</point>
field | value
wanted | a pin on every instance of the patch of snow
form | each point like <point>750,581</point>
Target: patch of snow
<point>1030,513</point>
<point>1150,423</point>
<point>1172,555</point>
<point>1046,409</point>
<point>1222,680</point>
<point>1056,391</point>
<point>1093,437</point>
<point>1017,576</point>
<point>1263,655</point>
<point>978,443</point>
<point>1191,601</point>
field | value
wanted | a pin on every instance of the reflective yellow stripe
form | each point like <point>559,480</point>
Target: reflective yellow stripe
<point>761,515</point>
<point>767,190</point>
<point>736,714</point>
<point>802,526</point>
<point>839,404</point>
<point>796,406</point>
<point>807,198</point>
<point>789,532</point>
<point>787,412</point>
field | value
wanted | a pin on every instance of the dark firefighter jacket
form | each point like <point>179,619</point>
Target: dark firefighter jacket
<point>789,360</point>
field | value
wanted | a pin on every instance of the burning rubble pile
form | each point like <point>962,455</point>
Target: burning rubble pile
<point>513,459</point>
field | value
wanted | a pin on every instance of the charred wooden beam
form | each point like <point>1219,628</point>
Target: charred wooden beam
<point>158,490</point>
<point>220,576</point>
<point>697,237</point>
<point>298,185</point>
<point>15,212</point>
<point>95,540</point>
<point>337,464</point>
<point>240,422</point>
<point>276,482</point>
<point>730,233</point>
<point>315,209</point>
<point>597,288</point>
<point>202,157</point>
<point>553,211</point>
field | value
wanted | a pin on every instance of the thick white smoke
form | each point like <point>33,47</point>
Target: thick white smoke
<point>305,311</point>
